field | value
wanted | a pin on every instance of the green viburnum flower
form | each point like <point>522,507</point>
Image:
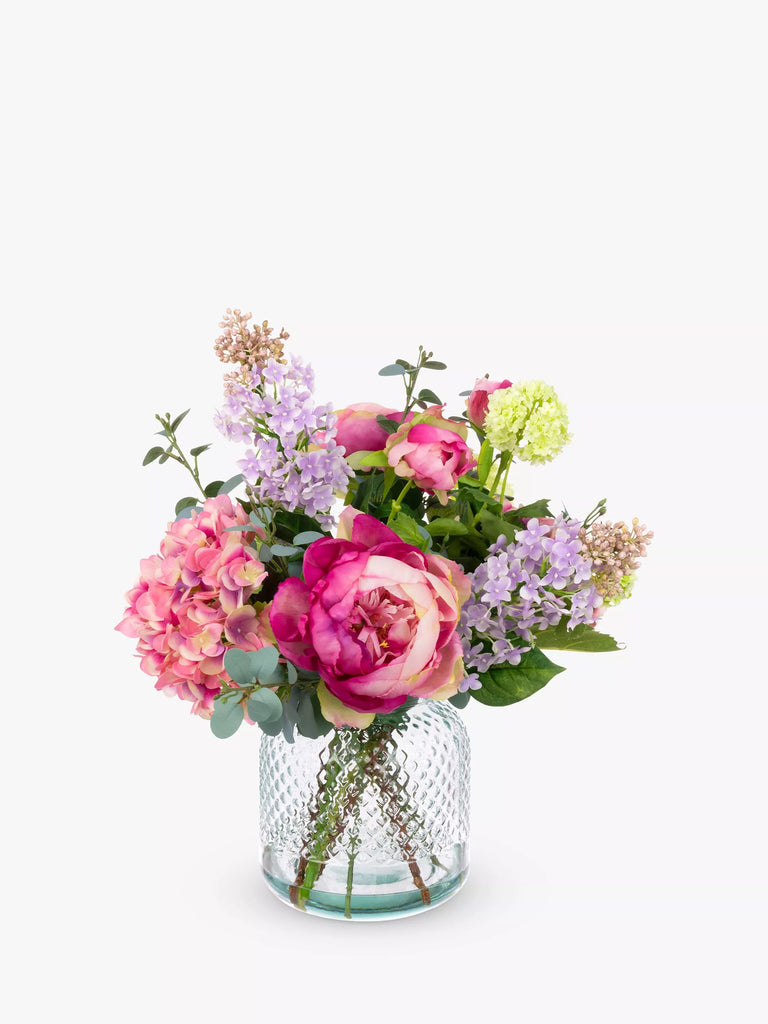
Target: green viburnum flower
<point>528,420</point>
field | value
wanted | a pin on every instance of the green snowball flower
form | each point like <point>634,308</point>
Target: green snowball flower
<point>528,420</point>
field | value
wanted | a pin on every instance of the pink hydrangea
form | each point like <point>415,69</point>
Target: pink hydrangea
<point>190,602</point>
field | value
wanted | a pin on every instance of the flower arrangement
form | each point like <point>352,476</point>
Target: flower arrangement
<point>373,555</point>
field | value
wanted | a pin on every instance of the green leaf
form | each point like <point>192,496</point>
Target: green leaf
<point>405,364</point>
<point>407,529</point>
<point>152,454</point>
<point>392,370</point>
<point>177,421</point>
<point>309,717</point>
<point>293,675</point>
<point>387,424</point>
<point>265,706</point>
<point>308,537</point>
<point>272,728</point>
<point>265,552</point>
<point>536,510</point>
<point>484,462</point>
<point>183,503</point>
<point>188,512</point>
<point>227,718</point>
<point>493,527</point>
<point>284,550</point>
<point>425,395</point>
<point>199,450</point>
<point>261,516</point>
<point>512,683</point>
<point>164,457</point>
<point>434,364</point>
<point>446,527</point>
<point>240,528</point>
<point>374,459</point>
<point>460,700</point>
<point>580,638</point>
<point>231,484</point>
<point>213,488</point>
<point>464,394</point>
<point>238,666</point>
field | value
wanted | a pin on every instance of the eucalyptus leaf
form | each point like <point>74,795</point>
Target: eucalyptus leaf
<point>509,684</point>
<point>291,672</point>
<point>152,454</point>
<point>231,484</point>
<point>308,537</point>
<point>265,706</point>
<point>239,666</point>
<point>405,364</point>
<point>392,370</point>
<point>464,394</point>
<point>284,550</point>
<point>226,718</point>
<point>188,512</point>
<point>271,728</point>
<point>460,700</point>
<point>265,552</point>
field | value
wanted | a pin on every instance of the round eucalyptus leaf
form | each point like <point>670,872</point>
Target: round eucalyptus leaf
<point>265,706</point>
<point>238,666</point>
<point>226,718</point>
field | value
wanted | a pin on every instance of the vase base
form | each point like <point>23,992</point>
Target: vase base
<point>379,893</point>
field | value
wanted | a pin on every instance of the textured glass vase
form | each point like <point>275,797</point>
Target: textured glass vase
<point>368,823</point>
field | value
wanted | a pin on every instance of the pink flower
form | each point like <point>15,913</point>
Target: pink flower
<point>357,429</point>
<point>375,617</point>
<point>477,403</point>
<point>431,451</point>
<point>189,603</point>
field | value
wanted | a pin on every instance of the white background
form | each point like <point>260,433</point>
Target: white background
<point>571,191</point>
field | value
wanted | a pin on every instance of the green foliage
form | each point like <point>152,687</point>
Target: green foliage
<point>493,527</point>
<point>199,450</point>
<point>410,531</point>
<point>509,684</point>
<point>227,718</point>
<point>446,527</point>
<point>308,537</point>
<point>392,370</point>
<point>230,485</point>
<point>177,422</point>
<point>265,706</point>
<point>536,510</point>
<point>484,462</point>
<point>434,364</point>
<point>387,424</point>
<point>152,454</point>
<point>460,700</point>
<point>183,503</point>
<point>375,459</point>
<point>212,489</point>
<point>580,638</point>
<point>248,667</point>
<point>425,395</point>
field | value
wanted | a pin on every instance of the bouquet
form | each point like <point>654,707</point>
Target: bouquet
<point>365,559</point>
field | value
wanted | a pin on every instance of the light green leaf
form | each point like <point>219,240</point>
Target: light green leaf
<point>392,370</point>
<point>178,420</point>
<point>407,529</point>
<point>374,459</point>
<point>580,638</point>
<point>199,450</point>
<point>231,484</point>
<point>284,550</point>
<point>308,537</point>
<point>446,528</point>
<point>513,683</point>
<point>484,462</point>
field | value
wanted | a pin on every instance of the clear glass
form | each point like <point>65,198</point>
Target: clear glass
<point>368,823</point>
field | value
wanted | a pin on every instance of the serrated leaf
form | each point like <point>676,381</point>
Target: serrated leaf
<point>199,450</point>
<point>392,370</point>
<point>178,420</point>
<point>446,528</point>
<point>580,638</point>
<point>183,503</point>
<point>152,454</point>
<point>265,706</point>
<point>227,718</point>
<point>212,489</point>
<point>512,683</point>
<point>231,484</point>
<point>308,537</point>
<point>425,395</point>
<point>434,364</point>
<point>407,529</point>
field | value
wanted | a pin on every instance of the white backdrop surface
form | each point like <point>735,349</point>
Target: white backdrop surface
<point>574,192</point>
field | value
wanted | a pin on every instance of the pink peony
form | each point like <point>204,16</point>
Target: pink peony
<point>431,451</point>
<point>357,429</point>
<point>189,603</point>
<point>477,403</point>
<point>375,617</point>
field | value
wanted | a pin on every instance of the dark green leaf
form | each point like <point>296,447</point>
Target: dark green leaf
<point>460,700</point>
<point>425,395</point>
<point>493,527</point>
<point>464,394</point>
<point>536,510</point>
<point>387,424</point>
<point>434,364</point>
<point>199,450</point>
<point>396,717</point>
<point>446,527</point>
<point>213,488</point>
<point>164,457</point>
<point>392,370</point>
<point>309,717</point>
<point>183,503</point>
<point>512,683</point>
<point>272,728</point>
<point>580,638</point>
<point>405,364</point>
<point>177,421</point>
<point>231,484</point>
<point>407,529</point>
<point>152,454</point>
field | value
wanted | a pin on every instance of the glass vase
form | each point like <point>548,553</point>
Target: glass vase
<point>368,823</point>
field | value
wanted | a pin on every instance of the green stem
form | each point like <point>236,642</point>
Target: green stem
<point>348,894</point>
<point>503,464</point>
<point>398,502</point>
